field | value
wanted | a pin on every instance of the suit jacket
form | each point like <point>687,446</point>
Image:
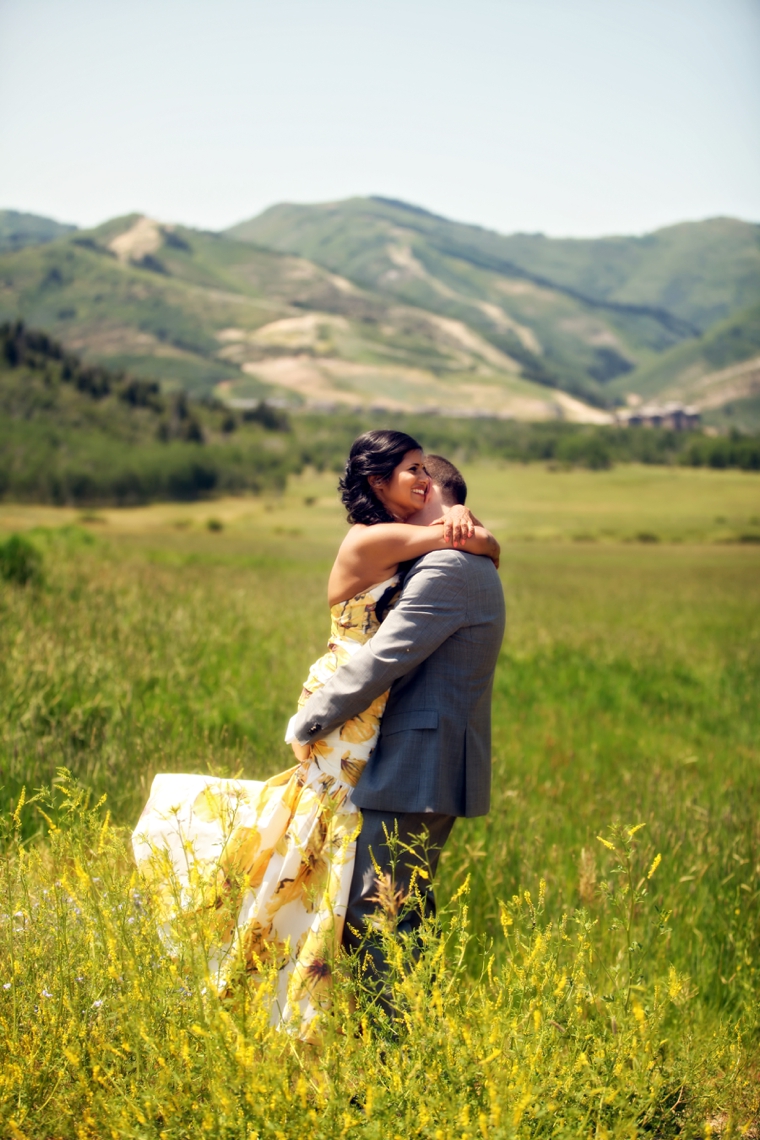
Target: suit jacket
<point>436,652</point>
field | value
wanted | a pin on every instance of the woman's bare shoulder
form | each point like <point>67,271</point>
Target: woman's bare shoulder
<point>353,539</point>
<point>354,532</point>
<point>350,551</point>
<point>362,536</point>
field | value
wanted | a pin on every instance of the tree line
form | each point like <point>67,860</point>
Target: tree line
<point>81,433</point>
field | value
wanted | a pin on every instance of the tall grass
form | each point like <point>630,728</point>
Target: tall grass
<point>105,1034</point>
<point>627,693</point>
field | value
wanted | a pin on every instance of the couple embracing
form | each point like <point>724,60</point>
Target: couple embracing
<point>392,736</point>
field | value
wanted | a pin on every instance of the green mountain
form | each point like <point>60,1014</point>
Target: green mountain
<point>593,315</point>
<point>698,272</point>
<point>206,312</point>
<point>684,277</point>
<point>461,273</point>
<point>374,303</point>
<point>18,230</point>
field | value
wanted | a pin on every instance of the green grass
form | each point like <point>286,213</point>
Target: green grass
<point>629,504</point>
<point>628,689</point>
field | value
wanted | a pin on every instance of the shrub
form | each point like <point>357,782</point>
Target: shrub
<point>732,451</point>
<point>273,419</point>
<point>20,561</point>
<point>586,450</point>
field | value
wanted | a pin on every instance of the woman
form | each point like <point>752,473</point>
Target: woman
<point>275,859</point>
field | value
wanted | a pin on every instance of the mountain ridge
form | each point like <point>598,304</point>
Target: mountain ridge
<point>19,229</point>
<point>200,310</point>
<point>705,271</point>
<point>371,302</point>
<point>595,279</point>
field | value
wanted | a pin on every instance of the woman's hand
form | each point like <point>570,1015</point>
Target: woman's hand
<point>302,752</point>
<point>458,524</point>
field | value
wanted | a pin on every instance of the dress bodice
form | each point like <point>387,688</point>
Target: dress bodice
<point>352,623</point>
<point>356,619</point>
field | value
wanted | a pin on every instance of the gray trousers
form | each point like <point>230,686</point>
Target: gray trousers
<point>362,903</point>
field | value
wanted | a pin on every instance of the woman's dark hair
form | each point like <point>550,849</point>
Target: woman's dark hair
<point>374,453</point>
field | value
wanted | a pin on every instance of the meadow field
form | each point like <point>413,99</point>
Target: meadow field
<point>596,968</point>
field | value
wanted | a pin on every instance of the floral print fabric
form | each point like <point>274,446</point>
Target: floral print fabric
<point>273,858</point>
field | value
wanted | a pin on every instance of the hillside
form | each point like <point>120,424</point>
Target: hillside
<point>709,370</point>
<point>598,313</point>
<point>685,276</point>
<point>372,303</point>
<point>460,272</point>
<point>206,312</point>
<point>80,434</point>
<point>18,230</point>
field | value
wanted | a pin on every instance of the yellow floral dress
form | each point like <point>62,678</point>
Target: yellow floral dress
<point>270,861</point>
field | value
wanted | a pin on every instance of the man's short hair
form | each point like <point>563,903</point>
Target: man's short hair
<point>448,478</point>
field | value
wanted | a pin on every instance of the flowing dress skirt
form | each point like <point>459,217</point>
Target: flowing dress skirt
<point>271,861</point>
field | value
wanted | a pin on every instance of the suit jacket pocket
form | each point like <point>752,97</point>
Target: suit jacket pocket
<point>404,721</point>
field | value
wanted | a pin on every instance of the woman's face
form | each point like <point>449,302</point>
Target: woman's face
<point>406,490</point>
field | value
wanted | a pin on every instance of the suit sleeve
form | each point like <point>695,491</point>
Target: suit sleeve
<point>432,607</point>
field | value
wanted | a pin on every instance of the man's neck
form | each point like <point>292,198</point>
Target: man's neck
<point>433,509</point>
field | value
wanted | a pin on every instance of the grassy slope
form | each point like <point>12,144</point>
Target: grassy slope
<point>698,271</point>
<point>742,414</point>
<point>122,314</point>
<point>71,433</point>
<point>443,315</point>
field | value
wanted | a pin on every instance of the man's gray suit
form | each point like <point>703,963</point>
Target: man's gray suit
<point>436,652</point>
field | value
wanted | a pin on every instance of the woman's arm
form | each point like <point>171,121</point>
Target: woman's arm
<point>371,553</point>
<point>400,542</point>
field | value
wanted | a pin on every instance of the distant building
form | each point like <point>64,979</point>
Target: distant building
<point>673,416</point>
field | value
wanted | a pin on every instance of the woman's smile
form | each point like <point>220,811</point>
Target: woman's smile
<point>407,489</point>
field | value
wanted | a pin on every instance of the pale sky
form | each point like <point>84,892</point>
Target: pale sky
<point>572,117</point>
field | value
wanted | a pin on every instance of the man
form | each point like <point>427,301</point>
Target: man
<point>449,488</point>
<point>436,651</point>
